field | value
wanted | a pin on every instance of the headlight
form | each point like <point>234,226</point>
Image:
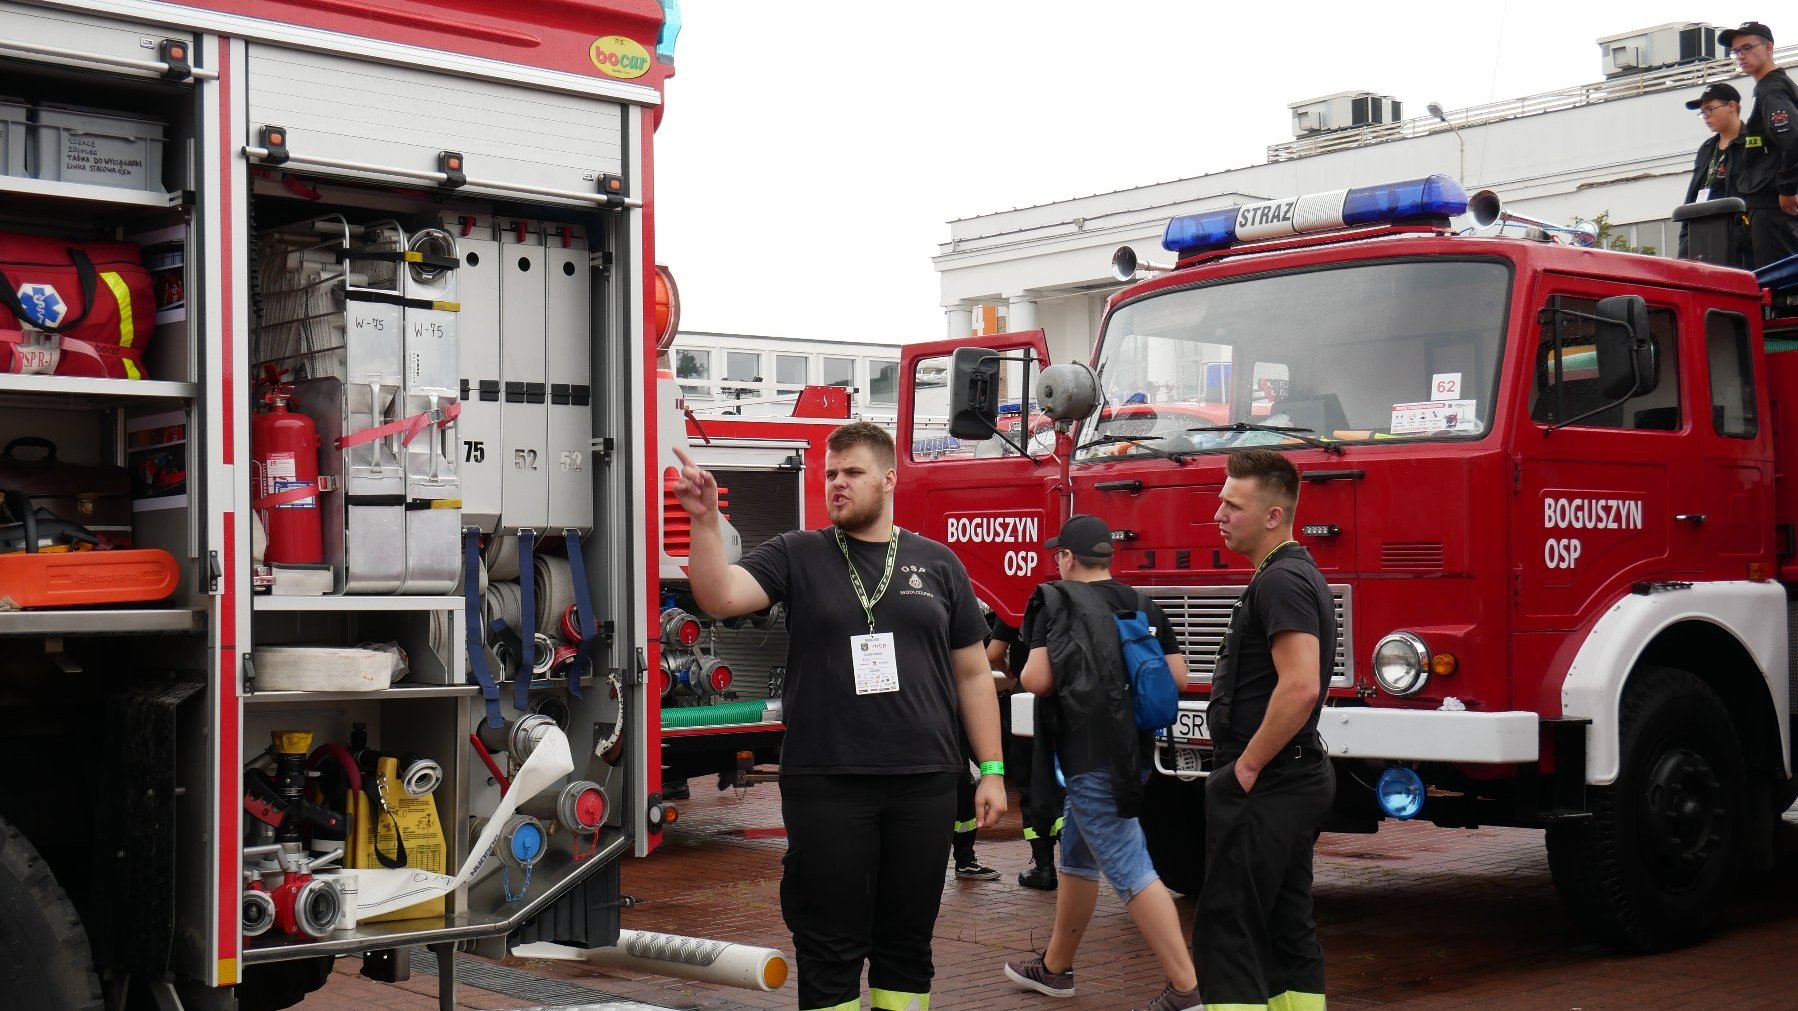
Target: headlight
<point>1401,663</point>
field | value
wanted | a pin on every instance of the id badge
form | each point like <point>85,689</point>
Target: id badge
<point>876,663</point>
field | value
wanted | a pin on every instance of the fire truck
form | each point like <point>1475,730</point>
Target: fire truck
<point>346,315</point>
<point>1549,487</point>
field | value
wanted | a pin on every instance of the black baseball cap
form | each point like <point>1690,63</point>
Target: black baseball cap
<point>1086,536</point>
<point>1728,35</point>
<point>1718,92</point>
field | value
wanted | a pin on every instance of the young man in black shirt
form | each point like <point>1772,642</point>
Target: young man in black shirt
<point>886,659</point>
<point>1254,941</point>
<point>1040,798</point>
<point>1713,174</point>
<point>1767,179</point>
<point>1076,660</point>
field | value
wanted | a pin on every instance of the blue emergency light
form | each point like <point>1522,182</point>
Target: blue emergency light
<point>1437,196</point>
<point>671,25</point>
<point>1401,792</point>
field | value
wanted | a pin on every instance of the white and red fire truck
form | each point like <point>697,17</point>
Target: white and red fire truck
<point>426,229</point>
<point>1550,488</point>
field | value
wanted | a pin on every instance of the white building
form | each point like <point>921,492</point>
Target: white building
<point>1623,146</point>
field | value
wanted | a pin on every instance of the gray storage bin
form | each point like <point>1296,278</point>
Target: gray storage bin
<point>12,137</point>
<point>92,146</point>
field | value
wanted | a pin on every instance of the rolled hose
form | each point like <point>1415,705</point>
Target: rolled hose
<point>555,594</point>
<point>684,717</point>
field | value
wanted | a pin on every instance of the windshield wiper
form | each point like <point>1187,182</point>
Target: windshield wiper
<point>1304,435</point>
<point>1107,440</point>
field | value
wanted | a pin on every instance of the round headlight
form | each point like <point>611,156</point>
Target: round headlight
<point>1401,663</point>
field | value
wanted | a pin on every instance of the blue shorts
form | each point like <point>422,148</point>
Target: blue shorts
<point>1094,839</point>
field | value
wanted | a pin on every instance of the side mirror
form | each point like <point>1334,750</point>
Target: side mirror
<point>1626,363</point>
<point>973,393</point>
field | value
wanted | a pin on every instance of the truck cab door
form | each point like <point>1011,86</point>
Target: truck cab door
<point>991,504</point>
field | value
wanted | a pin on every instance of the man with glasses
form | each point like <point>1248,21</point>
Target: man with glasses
<point>1719,157</point>
<point>1768,176</point>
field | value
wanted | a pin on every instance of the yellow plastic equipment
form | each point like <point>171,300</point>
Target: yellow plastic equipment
<point>418,826</point>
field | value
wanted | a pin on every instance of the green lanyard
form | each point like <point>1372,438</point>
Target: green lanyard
<point>855,577</point>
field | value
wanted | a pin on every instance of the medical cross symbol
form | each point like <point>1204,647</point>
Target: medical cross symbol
<point>42,304</point>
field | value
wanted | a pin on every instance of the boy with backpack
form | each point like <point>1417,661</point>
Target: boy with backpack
<point>1104,662</point>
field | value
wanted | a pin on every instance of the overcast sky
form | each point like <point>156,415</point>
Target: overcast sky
<point>812,153</point>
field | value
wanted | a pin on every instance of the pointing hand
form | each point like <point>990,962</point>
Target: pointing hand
<point>697,489</point>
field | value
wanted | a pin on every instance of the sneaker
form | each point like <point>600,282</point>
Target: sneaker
<point>1040,877</point>
<point>1032,973</point>
<point>1176,1000</point>
<point>975,871</point>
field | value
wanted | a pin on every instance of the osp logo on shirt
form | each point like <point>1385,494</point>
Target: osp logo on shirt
<point>42,304</point>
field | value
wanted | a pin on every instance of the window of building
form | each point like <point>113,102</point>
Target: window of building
<point>693,364</point>
<point>883,382</point>
<point>839,371</point>
<point>1732,375</point>
<point>790,372</point>
<point>742,366</point>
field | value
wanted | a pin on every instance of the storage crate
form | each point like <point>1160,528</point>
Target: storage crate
<point>12,137</point>
<point>91,146</point>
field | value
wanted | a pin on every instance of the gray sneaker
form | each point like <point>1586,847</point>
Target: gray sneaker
<point>1176,1000</point>
<point>1032,973</point>
<point>975,871</point>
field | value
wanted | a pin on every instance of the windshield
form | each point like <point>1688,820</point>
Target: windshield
<point>1379,351</point>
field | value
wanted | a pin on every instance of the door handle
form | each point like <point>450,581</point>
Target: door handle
<point>1696,519</point>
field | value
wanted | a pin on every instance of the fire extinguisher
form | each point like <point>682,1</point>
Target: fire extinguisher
<point>284,460</point>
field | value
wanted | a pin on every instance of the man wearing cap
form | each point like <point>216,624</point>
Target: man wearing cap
<point>1713,176</point>
<point>1076,666</point>
<point>1767,179</point>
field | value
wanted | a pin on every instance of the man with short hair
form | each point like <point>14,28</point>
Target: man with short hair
<point>1254,941</point>
<point>1713,174</point>
<point>1768,176</point>
<point>1076,665</point>
<point>885,659</point>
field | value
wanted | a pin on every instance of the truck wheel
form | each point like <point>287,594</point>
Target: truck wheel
<point>1173,825</point>
<point>272,986</point>
<point>45,961</point>
<point>1653,866</point>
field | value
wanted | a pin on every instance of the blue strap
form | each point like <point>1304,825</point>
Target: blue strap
<point>477,643</point>
<point>583,609</point>
<point>527,630</point>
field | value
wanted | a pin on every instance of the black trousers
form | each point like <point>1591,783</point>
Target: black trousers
<point>1254,940</point>
<point>1773,234</point>
<point>863,880</point>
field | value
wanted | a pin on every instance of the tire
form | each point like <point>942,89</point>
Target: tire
<point>272,986</point>
<point>45,961</point>
<point>1653,867</point>
<point>1173,824</point>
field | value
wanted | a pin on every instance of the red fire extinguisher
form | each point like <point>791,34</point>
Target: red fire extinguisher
<point>284,466</point>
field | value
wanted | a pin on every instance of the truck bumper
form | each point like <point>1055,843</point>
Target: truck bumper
<point>1410,735</point>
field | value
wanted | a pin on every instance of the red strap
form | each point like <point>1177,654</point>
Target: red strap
<point>282,498</point>
<point>412,426</point>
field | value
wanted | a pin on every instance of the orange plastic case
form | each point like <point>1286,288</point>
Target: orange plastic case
<point>80,578</point>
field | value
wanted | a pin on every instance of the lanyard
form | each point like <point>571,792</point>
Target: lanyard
<point>855,577</point>
<point>1270,556</point>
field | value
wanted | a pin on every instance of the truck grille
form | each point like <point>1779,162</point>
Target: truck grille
<point>1200,616</point>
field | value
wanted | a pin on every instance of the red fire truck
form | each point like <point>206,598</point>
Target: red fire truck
<point>427,229</point>
<point>1549,487</point>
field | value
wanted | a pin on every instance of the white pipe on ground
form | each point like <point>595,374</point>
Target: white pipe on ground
<point>699,959</point>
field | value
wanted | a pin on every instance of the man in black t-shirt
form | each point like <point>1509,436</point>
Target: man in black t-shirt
<point>1040,799</point>
<point>1254,941</point>
<point>1095,728</point>
<point>885,659</point>
<point>1767,177</point>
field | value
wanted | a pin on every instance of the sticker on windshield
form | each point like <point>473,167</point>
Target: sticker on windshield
<point>1445,386</point>
<point>1435,416</point>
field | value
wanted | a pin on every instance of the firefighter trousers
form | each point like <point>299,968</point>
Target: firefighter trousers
<point>1254,941</point>
<point>862,881</point>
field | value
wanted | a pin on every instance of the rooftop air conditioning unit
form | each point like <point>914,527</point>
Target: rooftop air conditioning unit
<point>1661,46</point>
<point>1341,111</point>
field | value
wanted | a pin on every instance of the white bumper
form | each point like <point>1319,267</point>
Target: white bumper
<point>1425,735</point>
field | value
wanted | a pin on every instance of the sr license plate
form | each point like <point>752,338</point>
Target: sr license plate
<point>1190,728</point>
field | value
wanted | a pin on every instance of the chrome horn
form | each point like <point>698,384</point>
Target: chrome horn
<point>1488,210</point>
<point>1125,265</point>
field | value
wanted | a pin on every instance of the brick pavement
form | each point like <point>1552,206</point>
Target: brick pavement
<point>1415,917</point>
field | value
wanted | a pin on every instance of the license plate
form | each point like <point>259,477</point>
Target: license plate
<point>1190,728</point>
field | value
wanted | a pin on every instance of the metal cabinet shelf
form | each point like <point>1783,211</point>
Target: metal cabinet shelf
<point>102,621</point>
